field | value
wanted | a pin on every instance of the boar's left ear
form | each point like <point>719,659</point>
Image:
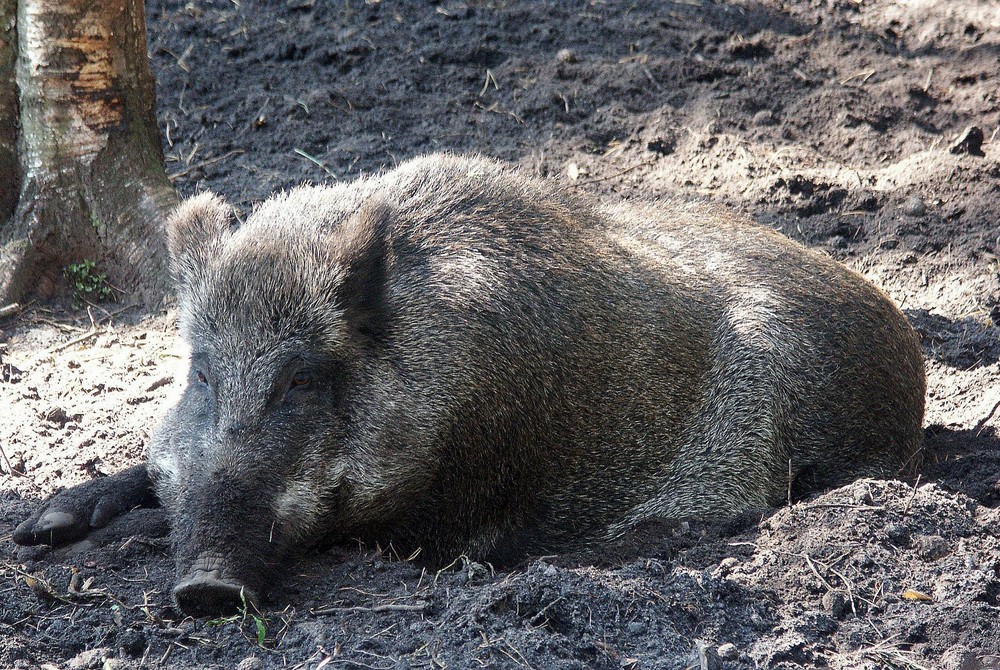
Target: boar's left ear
<point>362,249</point>
<point>196,232</point>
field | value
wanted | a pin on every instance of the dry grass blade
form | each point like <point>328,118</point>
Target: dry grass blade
<point>205,163</point>
<point>10,468</point>
<point>889,655</point>
<point>617,174</point>
<point>386,607</point>
<point>317,162</point>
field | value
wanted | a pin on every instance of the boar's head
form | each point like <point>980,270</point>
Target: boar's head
<point>251,462</point>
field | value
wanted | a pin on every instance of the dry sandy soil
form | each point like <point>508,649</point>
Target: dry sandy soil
<point>836,121</point>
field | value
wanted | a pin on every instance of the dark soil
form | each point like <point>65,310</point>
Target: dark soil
<point>840,122</point>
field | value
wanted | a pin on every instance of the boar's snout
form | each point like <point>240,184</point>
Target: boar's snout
<point>206,590</point>
<point>227,543</point>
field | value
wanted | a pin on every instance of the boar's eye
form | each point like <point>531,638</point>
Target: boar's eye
<point>301,380</point>
<point>201,377</point>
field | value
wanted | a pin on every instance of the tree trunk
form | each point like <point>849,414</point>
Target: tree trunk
<point>10,174</point>
<point>93,185</point>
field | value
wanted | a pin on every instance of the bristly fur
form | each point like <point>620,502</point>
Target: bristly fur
<point>497,368</point>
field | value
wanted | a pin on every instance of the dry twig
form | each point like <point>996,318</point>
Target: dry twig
<point>617,174</point>
<point>385,607</point>
<point>205,163</point>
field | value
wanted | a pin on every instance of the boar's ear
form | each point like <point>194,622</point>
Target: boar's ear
<point>196,232</point>
<point>362,249</point>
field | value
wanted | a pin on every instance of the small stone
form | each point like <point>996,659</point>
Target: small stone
<point>931,547</point>
<point>635,628</point>
<point>574,171</point>
<point>663,145</point>
<point>567,56</point>
<point>250,663</point>
<point>90,658</point>
<point>455,11</point>
<point>474,570</point>
<point>132,643</point>
<point>59,416</point>
<point>898,534</point>
<point>725,566</point>
<point>914,206</point>
<point>959,657</point>
<point>969,142</point>
<point>728,652</point>
<point>708,656</point>
<point>835,603</point>
<point>838,242</point>
<point>765,117</point>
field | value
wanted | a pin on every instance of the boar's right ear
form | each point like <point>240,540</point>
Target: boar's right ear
<point>362,248</point>
<point>196,232</point>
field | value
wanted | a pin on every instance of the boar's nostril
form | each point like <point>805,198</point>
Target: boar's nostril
<point>207,594</point>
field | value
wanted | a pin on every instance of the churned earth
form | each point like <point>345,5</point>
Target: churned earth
<point>864,128</point>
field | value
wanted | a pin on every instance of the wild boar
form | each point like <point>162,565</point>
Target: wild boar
<point>455,357</point>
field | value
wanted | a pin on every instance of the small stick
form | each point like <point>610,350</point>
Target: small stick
<point>649,76</point>
<point>490,79</point>
<point>10,468</point>
<point>617,174</point>
<point>864,74</point>
<point>166,654</point>
<point>108,315</point>
<point>76,340</point>
<point>802,75</point>
<point>812,567</point>
<point>180,61</point>
<point>789,482</point>
<point>850,590</point>
<point>982,422</point>
<point>841,506</point>
<point>12,308</point>
<point>906,510</point>
<point>95,328</point>
<point>95,325</point>
<point>387,607</point>
<point>205,163</point>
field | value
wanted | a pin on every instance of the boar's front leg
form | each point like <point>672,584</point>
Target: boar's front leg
<point>75,512</point>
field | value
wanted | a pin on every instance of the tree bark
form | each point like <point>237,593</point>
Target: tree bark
<point>10,173</point>
<point>93,185</point>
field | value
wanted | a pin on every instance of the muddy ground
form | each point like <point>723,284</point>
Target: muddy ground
<point>839,122</point>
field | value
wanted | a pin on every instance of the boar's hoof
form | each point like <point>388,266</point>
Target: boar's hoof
<point>206,593</point>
